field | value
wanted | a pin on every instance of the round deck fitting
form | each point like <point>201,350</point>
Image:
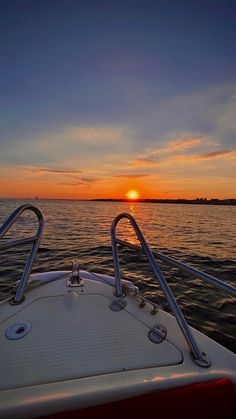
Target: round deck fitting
<point>17,330</point>
<point>118,305</point>
<point>13,302</point>
<point>157,334</point>
<point>205,363</point>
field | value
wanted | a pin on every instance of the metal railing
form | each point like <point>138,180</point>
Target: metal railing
<point>35,240</point>
<point>228,289</point>
<point>199,357</point>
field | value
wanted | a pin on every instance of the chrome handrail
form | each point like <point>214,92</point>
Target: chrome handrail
<point>229,289</point>
<point>199,357</point>
<point>35,240</point>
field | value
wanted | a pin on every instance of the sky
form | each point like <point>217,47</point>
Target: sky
<point>99,97</point>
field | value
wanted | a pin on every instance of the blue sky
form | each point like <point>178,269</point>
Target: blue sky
<point>142,92</point>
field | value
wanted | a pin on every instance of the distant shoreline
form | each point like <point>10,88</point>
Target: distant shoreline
<point>198,201</point>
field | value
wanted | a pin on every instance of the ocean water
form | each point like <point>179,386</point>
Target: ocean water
<point>201,236</point>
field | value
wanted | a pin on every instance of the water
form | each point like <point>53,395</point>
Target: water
<point>202,236</point>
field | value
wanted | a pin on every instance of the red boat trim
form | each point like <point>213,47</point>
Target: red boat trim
<point>212,399</point>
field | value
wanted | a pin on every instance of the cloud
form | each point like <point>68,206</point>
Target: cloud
<point>185,143</point>
<point>215,154</point>
<point>225,119</point>
<point>84,134</point>
<point>92,135</point>
<point>66,143</point>
<point>145,162</point>
<point>39,170</point>
<point>89,180</point>
<point>178,158</point>
<point>61,172</point>
<point>132,176</point>
<point>212,155</point>
<point>83,181</point>
<point>71,173</point>
<point>199,115</point>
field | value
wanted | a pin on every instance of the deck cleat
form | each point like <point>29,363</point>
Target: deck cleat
<point>75,279</point>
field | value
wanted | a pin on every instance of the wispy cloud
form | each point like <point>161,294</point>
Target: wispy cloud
<point>55,171</point>
<point>181,142</point>
<point>215,154</point>
<point>132,176</point>
<point>89,180</point>
<point>86,182</point>
<point>185,143</point>
<point>183,146</point>
<point>145,162</point>
<point>45,170</point>
<point>211,155</point>
<point>225,121</point>
<point>63,173</point>
<point>77,143</point>
<point>92,134</point>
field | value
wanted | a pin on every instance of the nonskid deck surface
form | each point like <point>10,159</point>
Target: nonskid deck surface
<point>74,335</point>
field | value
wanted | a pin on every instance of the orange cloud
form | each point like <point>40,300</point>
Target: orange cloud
<point>181,143</point>
<point>53,171</point>
<point>93,134</point>
<point>142,162</point>
<point>61,172</point>
<point>88,180</point>
<point>214,154</point>
<point>132,176</point>
<point>208,156</point>
<point>175,150</point>
<point>185,143</point>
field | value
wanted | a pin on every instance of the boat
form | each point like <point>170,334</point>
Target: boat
<point>78,344</point>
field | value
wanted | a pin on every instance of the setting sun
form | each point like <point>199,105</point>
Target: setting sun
<point>132,194</point>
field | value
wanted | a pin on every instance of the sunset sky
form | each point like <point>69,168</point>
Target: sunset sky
<point>99,97</point>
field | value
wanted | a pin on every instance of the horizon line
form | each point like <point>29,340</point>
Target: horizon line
<point>142,200</point>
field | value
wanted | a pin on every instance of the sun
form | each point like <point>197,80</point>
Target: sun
<point>132,194</point>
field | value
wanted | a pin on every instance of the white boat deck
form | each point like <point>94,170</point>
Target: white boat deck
<point>80,353</point>
<point>74,336</point>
